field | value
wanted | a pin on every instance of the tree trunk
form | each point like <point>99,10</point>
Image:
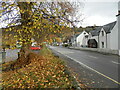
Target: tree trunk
<point>23,59</point>
<point>25,9</point>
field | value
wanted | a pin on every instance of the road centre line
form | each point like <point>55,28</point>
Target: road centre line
<point>92,69</point>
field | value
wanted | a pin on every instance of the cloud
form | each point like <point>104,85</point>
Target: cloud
<point>99,13</point>
<point>97,20</point>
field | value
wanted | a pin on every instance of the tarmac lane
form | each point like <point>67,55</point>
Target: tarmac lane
<point>93,69</point>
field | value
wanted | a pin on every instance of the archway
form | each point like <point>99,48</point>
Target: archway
<point>92,43</point>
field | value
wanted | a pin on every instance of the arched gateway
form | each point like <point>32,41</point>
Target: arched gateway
<point>92,43</point>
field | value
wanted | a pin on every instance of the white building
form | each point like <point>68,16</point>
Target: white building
<point>107,34</point>
<point>82,39</point>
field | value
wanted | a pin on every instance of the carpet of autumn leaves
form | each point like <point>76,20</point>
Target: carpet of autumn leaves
<point>43,71</point>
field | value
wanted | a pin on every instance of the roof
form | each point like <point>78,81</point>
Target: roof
<point>109,27</point>
<point>96,31</point>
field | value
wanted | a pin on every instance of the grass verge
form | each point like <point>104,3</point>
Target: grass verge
<point>44,71</point>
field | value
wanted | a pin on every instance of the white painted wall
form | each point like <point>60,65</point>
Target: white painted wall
<point>114,37</point>
<point>85,41</point>
<point>102,39</point>
<point>115,34</point>
<point>89,36</point>
<point>108,41</point>
<point>81,40</point>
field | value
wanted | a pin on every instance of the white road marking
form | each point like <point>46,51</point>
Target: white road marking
<point>92,69</point>
<point>92,56</point>
<point>115,62</point>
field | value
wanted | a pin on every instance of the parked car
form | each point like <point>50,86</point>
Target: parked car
<point>35,47</point>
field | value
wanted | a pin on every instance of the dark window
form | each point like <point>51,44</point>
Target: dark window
<point>102,44</point>
<point>86,36</point>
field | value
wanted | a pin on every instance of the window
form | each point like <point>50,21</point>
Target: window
<point>102,33</point>
<point>86,36</point>
<point>102,44</point>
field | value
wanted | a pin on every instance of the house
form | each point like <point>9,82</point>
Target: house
<point>106,34</point>
<point>81,39</point>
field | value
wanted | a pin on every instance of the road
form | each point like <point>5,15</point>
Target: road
<point>102,68</point>
<point>10,55</point>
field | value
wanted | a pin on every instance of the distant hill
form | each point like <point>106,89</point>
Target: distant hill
<point>87,29</point>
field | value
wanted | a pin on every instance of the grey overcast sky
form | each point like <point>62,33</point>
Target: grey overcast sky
<point>96,12</point>
<point>99,13</point>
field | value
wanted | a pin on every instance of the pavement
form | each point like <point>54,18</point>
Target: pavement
<point>94,69</point>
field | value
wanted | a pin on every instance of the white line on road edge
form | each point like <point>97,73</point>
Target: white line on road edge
<point>115,62</point>
<point>93,70</point>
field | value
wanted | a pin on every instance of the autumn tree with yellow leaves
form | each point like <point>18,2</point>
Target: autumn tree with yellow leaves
<point>38,20</point>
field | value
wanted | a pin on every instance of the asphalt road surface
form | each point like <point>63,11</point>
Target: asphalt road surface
<point>10,55</point>
<point>94,69</point>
